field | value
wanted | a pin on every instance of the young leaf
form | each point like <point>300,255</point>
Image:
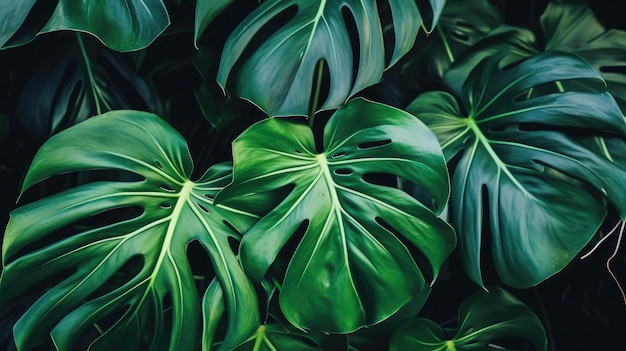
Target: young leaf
<point>122,25</point>
<point>174,211</point>
<point>278,75</point>
<point>350,268</point>
<point>484,317</point>
<point>543,185</point>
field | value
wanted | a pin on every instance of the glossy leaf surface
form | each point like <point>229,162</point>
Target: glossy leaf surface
<point>351,267</point>
<point>522,168</point>
<point>484,318</point>
<point>156,298</point>
<point>123,25</point>
<point>278,75</point>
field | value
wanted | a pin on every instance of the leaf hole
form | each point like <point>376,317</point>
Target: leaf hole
<point>383,179</point>
<point>297,152</point>
<point>373,144</point>
<point>339,155</point>
<point>203,208</point>
<point>123,275</point>
<point>355,42</point>
<point>165,205</point>
<point>613,69</point>
<point>97,220</point>
<point>167,188</point>
<point>200,265</point>
<point>209,196</point>
<point>460,36</point>
<point>342,172</point>
<point>420,259</point>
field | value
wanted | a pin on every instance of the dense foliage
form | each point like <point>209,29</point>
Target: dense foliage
<point>312,175</point>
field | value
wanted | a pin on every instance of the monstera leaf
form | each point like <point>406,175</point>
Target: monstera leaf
<point>352,266</point>
<point>278,75</point>
<point>572,27</point>
<point>82,80</point>
<point>45,241</point>
<point>568,26</point>
<point>206,11</point>
<point>484,318</point>
<point>273,337</point>
<point>522,166</point>
<point>461,25</point>
<point>122,25</point>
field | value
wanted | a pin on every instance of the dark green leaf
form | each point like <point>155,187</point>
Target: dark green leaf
<point>83,79</point>
<point>523,167</point>
<point>206,11</point>
<point>462,24</point>
<point>123,25</point>
<point>484,318</point>
<point>271,337</point>
<point>278,76</point>
<point>574,28</point>
<point>350,268</point>
<point>174,211</point>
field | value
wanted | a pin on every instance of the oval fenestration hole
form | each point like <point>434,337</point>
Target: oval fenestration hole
<point>204,209</point>
<point>297,152</point>
<point>342,171</point>
<point>339,155</point>
<point>165,205</point>
<point>209,197</point>
<point>372,144</point>
<point>167,188</point>
<point>159,165</point>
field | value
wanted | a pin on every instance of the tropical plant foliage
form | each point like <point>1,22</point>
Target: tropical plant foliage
<point>305,175</point>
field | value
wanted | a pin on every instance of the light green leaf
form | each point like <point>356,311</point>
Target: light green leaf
<point>351,267</point>
<point>122,25</point>
<point>172,212</point>
<point>278,76</point>
<point>541,186</point>
<point>484,318</point>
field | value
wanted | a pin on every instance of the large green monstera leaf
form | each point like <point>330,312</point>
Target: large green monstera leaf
<point>123,25</point>
<point>485,318</point>
<point>157,300</point>
<point>278,76</point>
<point>352,266</point>
<point>523,168</point>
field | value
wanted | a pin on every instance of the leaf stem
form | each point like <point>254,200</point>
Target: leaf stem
<point>316,93</point>
<point>94,93</point>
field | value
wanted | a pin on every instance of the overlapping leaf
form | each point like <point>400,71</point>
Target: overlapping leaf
<point>278,75</point>
<point>80,81</point>
<point>351,267</point>
<point>484,318</point>
<point>174,211</point>
<point>123,25</point>
<point>523,167</point>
